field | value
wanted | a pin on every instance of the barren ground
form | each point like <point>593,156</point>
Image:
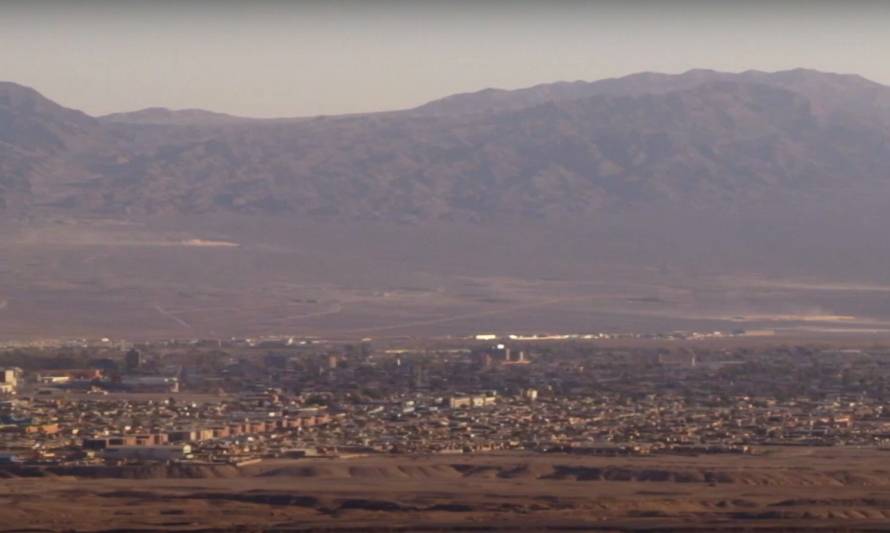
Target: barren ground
<point>787,489</point>
<point>150,280</point>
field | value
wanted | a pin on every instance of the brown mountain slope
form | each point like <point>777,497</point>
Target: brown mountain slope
<point>550,151</point>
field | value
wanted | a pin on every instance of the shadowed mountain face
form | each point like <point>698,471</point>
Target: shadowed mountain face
<point>33,133</point>
<point>712,197</point>
<point>550,151</point>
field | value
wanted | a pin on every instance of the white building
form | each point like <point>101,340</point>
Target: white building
<point>9,380</point>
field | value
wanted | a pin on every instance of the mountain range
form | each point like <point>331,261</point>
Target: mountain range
<point>553,151</point>
<point>649,202</point>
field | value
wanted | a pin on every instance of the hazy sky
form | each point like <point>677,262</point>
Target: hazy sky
<point>277,58</point>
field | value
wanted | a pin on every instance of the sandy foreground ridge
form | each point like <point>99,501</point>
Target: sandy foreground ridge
<point>779,489</point>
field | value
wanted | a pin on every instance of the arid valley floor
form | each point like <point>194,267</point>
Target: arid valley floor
<point>243,276</point>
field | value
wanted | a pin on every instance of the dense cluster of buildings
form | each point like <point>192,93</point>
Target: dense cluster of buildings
<point>84,429</point>
<point>212,403</point>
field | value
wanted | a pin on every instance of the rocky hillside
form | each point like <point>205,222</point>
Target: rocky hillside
<point>551,151</point>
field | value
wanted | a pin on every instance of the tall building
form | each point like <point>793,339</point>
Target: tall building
<point>419,376</point>
<point>133,360</point>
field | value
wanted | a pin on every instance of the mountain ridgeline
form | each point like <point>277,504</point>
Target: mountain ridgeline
<point>552,151</point>
<point>647,203</point>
